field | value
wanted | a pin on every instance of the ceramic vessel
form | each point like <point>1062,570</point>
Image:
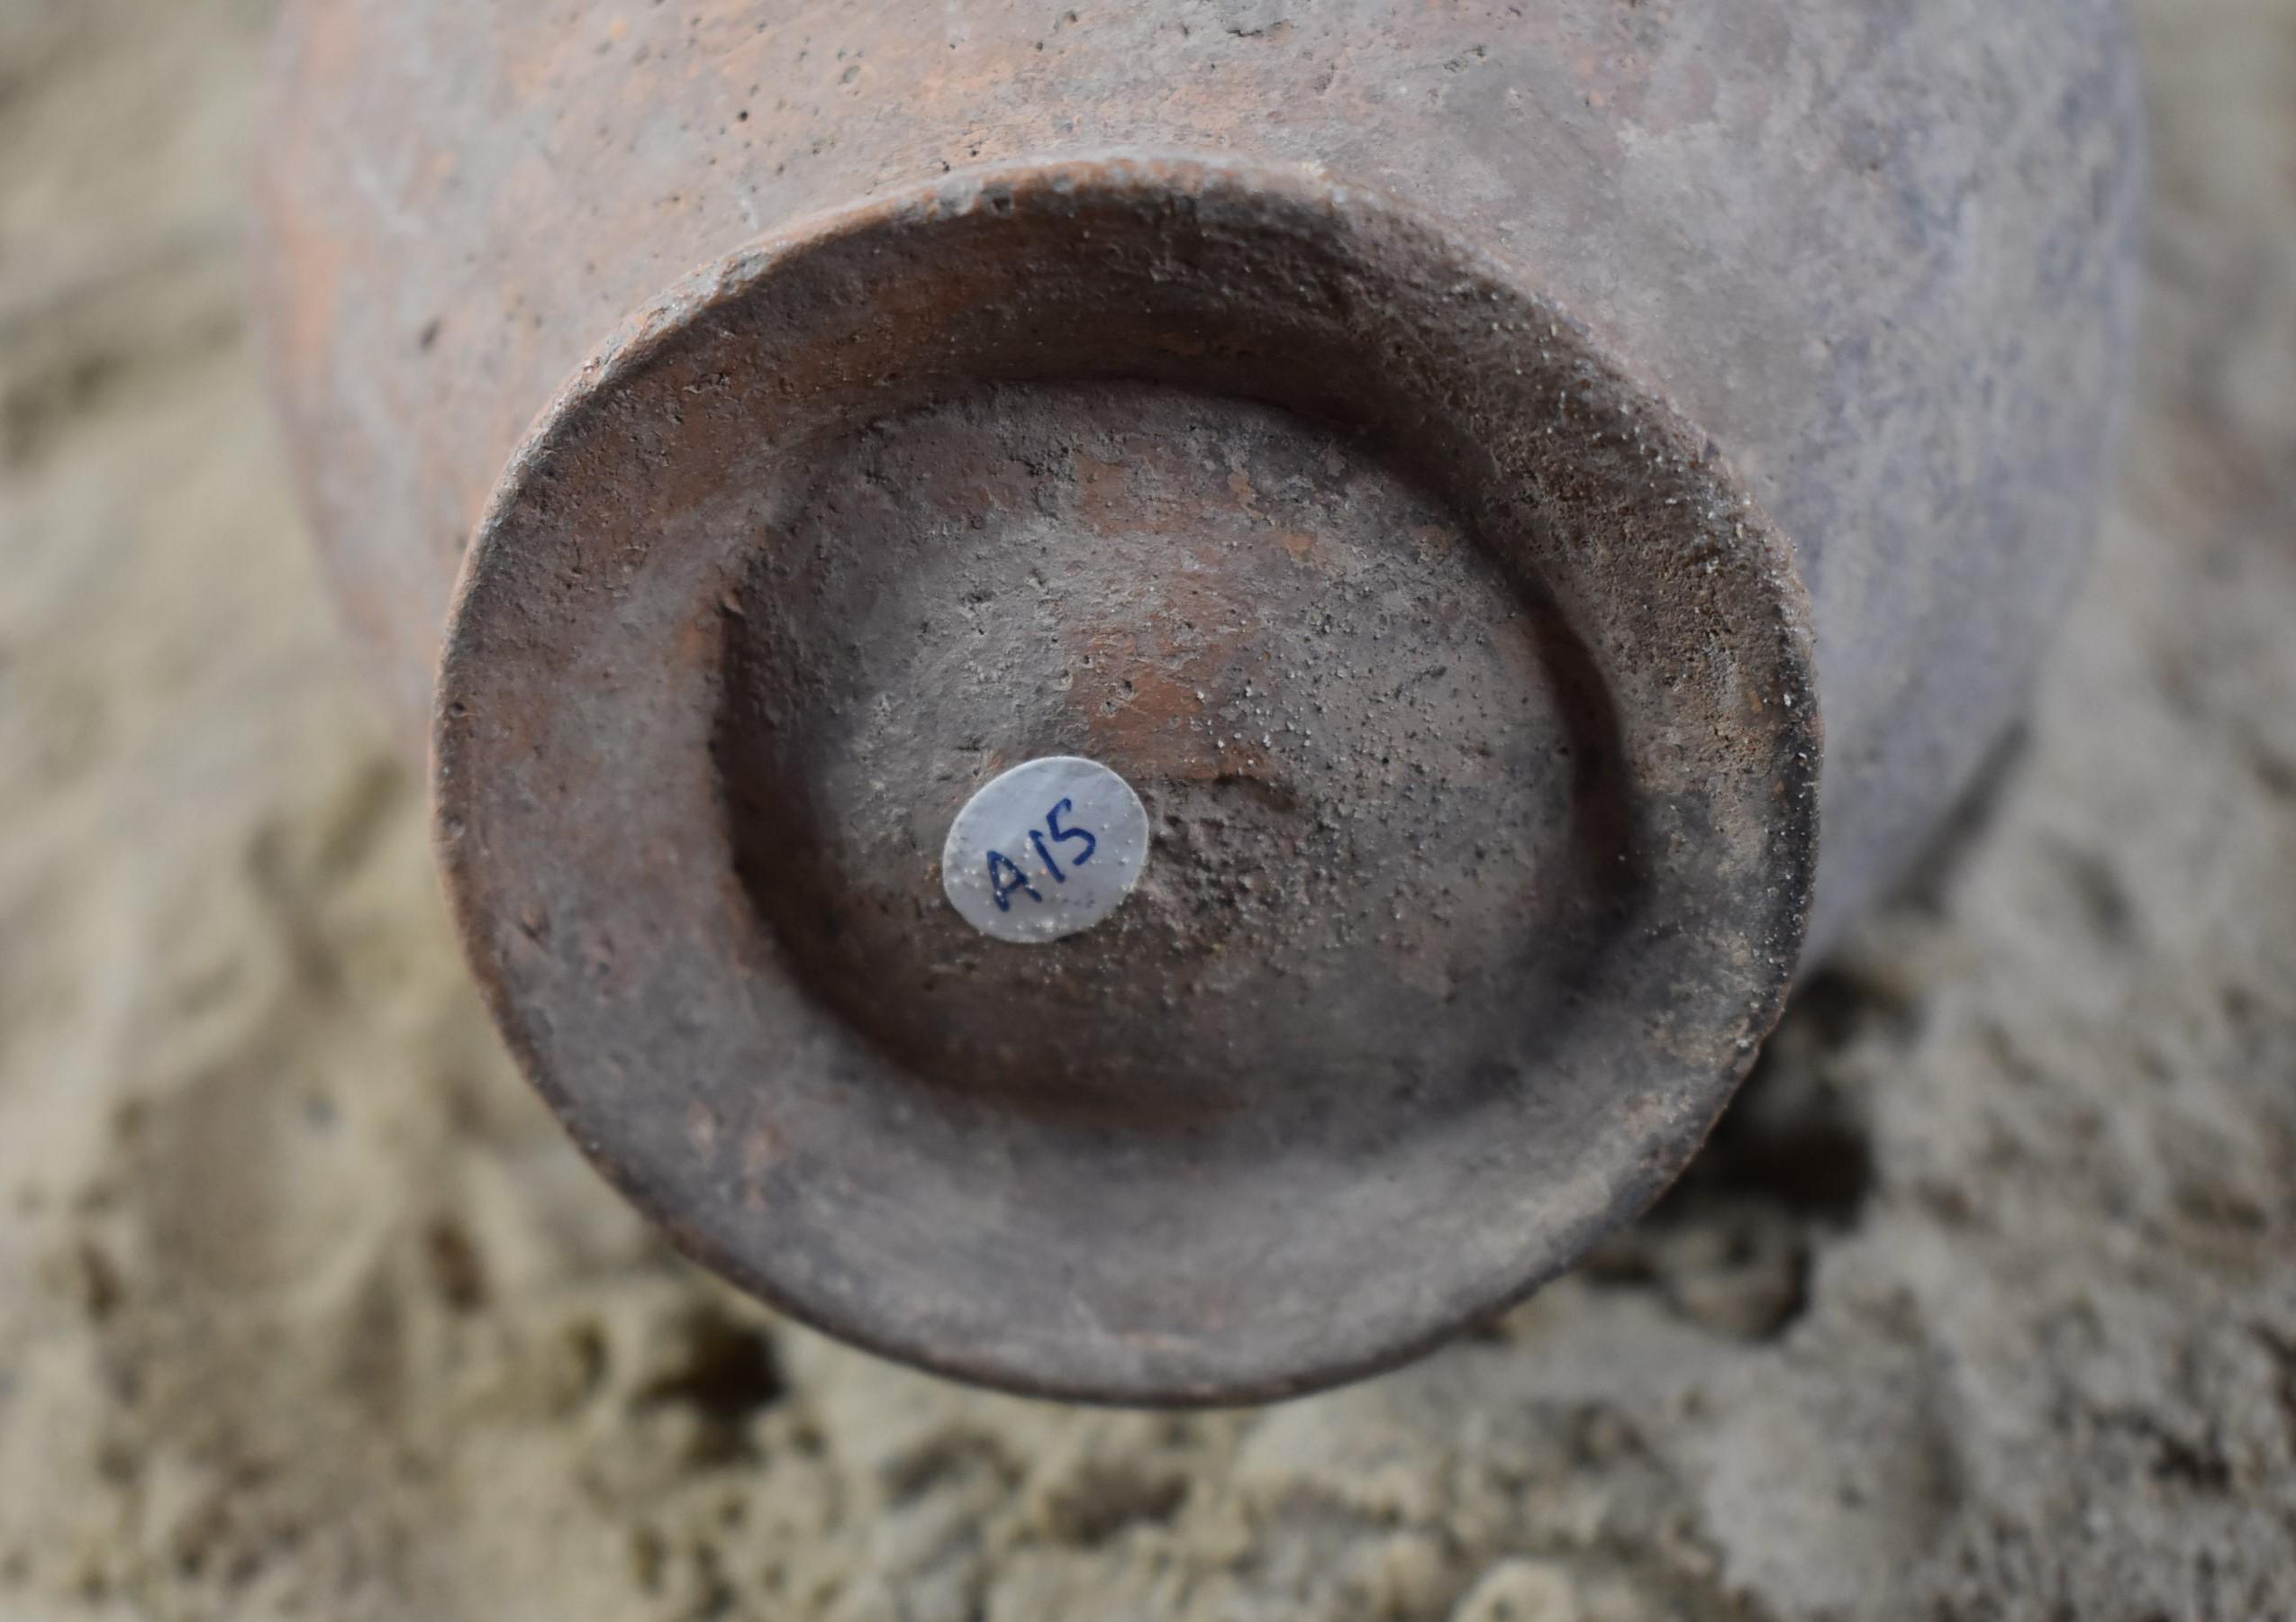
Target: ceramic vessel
<point>1444,459</point>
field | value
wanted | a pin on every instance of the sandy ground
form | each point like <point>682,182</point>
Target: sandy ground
<point>1983,1304</point>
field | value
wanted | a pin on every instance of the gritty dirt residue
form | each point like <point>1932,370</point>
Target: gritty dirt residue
<point>1982,1305</point>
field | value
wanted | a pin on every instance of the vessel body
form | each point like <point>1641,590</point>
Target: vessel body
<point>1448,457</point>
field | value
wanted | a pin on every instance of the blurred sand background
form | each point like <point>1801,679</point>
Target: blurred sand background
<point>1983,1305</point>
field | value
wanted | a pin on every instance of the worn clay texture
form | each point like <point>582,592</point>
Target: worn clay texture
<point>1982,1303</point>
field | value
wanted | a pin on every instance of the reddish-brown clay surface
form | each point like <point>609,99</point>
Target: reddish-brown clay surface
<point>1385,497</point>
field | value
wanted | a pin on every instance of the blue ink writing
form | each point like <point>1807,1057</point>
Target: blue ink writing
<point>1001,887</point>
<point>1004,875</point>
<point>1060,834</point>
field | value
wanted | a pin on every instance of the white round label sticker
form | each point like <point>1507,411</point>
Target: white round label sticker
<point>1046,849</point>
